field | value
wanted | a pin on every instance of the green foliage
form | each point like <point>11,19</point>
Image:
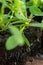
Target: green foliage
<point>18,14</point>
<point>34,7</point>
<point>37,3</point>
<point>35,11</point>
<point>16,39</point>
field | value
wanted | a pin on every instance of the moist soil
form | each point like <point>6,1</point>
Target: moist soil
<point>23,55</point>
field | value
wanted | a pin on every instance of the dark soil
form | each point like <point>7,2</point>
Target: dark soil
<point>19,55</point>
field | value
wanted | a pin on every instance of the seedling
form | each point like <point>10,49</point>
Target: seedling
<point>16,20</point>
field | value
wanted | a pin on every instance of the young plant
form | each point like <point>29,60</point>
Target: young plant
<point>16,20</point>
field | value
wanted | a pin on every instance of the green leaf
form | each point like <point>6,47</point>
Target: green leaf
<point>16,39</point>
<point>11,43</point>
<point>36,25</point>
<point>29,3</point>
<point>35,2</point>
<point>42,1</point>
<point>26,41</point>
<point>20,17</point>
<point>35,11</point>
<point>42,23</point>
<point>17,34</point>
<point>20,9</point>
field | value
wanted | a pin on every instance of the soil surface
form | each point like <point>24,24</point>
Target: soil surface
<point>35,62</point>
